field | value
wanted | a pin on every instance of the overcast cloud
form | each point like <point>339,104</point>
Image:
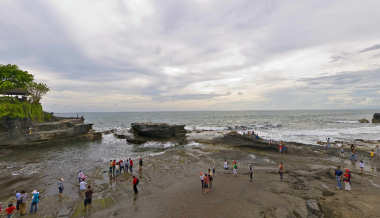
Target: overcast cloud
<point>140,55</point>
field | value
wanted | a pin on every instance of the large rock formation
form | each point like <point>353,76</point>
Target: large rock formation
<point>158,130</point>
<point>376,118</point>
<point>143,132</point>
<point>25,132</point>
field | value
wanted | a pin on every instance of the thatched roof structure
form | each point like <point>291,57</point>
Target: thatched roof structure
<point>18,91</point>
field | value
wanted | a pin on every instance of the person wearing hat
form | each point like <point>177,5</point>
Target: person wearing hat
<point>35,200</point>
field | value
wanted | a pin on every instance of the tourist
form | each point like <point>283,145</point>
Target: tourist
<point>225,165</point>
<point>235,168</point>
<point>121,164</point>
<point>213,171</point>
<point>250,173</point>
<point>371,155</point>
<point>60,187</point>
<point>347,180</point>
<point>10,210</point>
<point>35,200</point>
<point>210,175</point>
<point>202,181</point>
<point>280,147</point>
<point>80,176</point>
<point>206,182</point>
<point>18,200</point>
<point>342,152</point>
<point>88,198</point>
<point>281,170</point>
<point>82,186</point>
<point>110,165</point>
<point>338,175</point>
<point>131,165</point>
<point>135,182</point>
<point>140,163</point>
<point>117,169</point>
<point>361,165</point>
<point>113,167</point>
<point>126,165</point>
<point>23,203</point>
<point>328,144</point>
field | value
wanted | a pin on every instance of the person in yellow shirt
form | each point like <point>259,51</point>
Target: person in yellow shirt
<point>372,155</point>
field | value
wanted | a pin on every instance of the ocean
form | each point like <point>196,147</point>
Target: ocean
<point>304,126</point>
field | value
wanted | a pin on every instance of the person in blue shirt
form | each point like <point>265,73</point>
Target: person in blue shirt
<point>35,200</point>
<point>338,175</point>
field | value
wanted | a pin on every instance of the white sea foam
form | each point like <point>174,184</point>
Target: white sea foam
<point>152,144</point>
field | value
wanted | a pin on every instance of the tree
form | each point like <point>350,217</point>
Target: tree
<point>11,77</point>
<point>36,91</point>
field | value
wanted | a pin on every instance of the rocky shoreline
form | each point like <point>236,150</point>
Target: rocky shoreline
<point>170,186</point>
<point>16,132</point>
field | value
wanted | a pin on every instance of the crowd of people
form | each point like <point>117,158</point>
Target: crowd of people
<point>123,166</point>
<point>21,204</point>
<point>207,179</point>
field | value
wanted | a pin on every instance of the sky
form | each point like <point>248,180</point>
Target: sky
<point>141,55</point>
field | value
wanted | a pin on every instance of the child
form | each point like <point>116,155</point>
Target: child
<point>10,210</point>
<point>361,164</point>
<point>347,180</point>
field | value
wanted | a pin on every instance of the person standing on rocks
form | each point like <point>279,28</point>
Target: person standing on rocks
<point>347,180</point>
<point>361,165</point>
<point>23,203</point>
<point>113,167</point>
<point>328,144</point>
<point>121,164</point>
<point>18,200</point>
<point>127,165</point>
<point>338,175</point>
<point>131,165</point>
<point>135,182</point>
<point>202,181</point>
<point>225,165</point>
<point>140,163</point>
<point>206,182</point>
<point>35,200</point>
<point>250,173</point>
<point>60,187</point>
<point>235,169</point>
<point>10,210</point>
<point>281,170</point>
<point>88,198</point>
<point>210,176</point>
<point>110,166</point>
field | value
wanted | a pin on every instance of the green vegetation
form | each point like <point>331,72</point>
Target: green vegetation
<point>11,77</point>
<point>15,109</point>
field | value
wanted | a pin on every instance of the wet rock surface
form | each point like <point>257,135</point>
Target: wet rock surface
<point>376,118</point>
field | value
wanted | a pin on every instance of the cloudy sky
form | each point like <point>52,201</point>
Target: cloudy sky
<point>140,55</point>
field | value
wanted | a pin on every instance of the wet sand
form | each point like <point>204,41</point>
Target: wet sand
<point>170,187</point>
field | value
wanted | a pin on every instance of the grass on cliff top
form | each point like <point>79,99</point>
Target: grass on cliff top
<point>15,109</point>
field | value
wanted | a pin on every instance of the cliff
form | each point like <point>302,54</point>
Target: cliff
<point>27,132</point>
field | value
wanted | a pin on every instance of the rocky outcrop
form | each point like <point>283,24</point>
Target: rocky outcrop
<point>143,132</point>
<point>363,121</point>
<point>376,118</point>
<point>236,139</point>
<point>158,130</point>
<point>25,132</point>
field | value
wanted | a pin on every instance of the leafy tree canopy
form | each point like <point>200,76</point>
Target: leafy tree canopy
<point>36,91</point>
<point>12,77</point>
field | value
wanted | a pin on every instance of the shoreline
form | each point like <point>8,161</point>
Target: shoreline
<point>171,181</point>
